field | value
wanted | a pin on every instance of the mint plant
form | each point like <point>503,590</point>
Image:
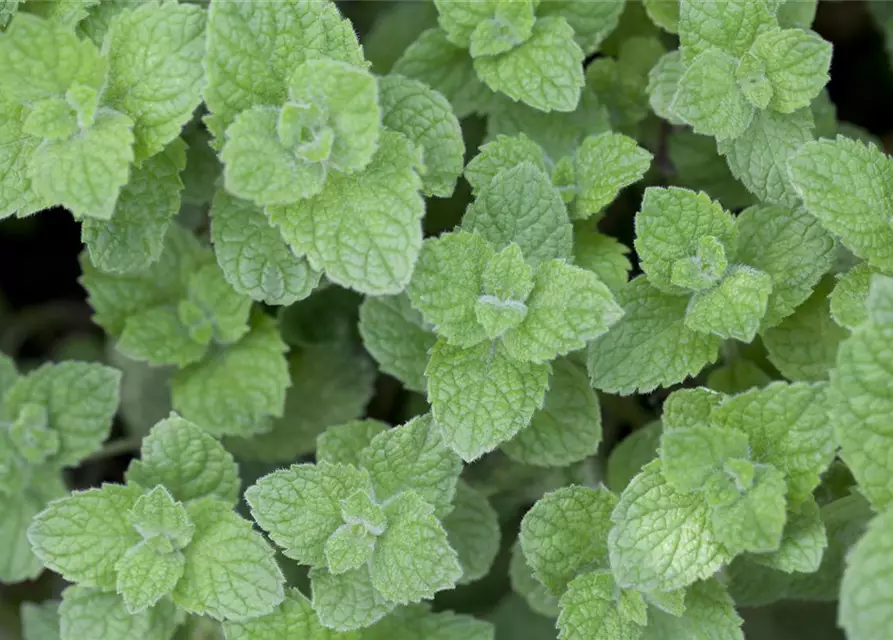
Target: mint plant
<point>452,319</point>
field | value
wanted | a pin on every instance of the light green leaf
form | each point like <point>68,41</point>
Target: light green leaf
<point>853,201</point>
<point>413,559</point>
<point>360,509</point>
<point>363,229</point>
<point>480,397</point>
<point>663,83</point>
<point>253,256</point>
<point>51,118</point>
<point>294,617</point>
<point>734,307</point>
<point>417,621</point>
<point>662,540</point>
<point>252,50</point>
<point>148,572</point>
<point>795,64</point>
<point>507,282</point>
<point>234,390</point>
<point>214,311</point>
<point>631,454</point>
<point>603,255</point>
<point>569,426</point>
<point>447,282</point>
<point>348,548</point>
<point>17,560</point>
<point>343,444</point>
<point>398,337</point>
<point>792,248</point>
<point>460,18</point>
<point>447,68</point>
<point>415,458</point>
<point>425,117</point>
<point>605,164</point>
<point>802,543</point>
<point>788,427</point>
<point>759,157</point>
<point>690,407</point>
<point>473,531</point>
<point>520,205</point>
<point>16,149</point>
<point>848,300</point>
<point>709,615</point>
<point>566,532</point>
<point>159,337</point>
<point>730,26</point>
<point>83,535</point>
<point>804,346</point>
<point>797,13</point>
<point>567,308</point>
<point>670,230</point>
<point>510,25</point>
<point>85,173</point>
<point>590,610</point>
<point>504,152</point>
<point>860,397</point>
<point>347,601</point>
<point>708,98</point>
<point>650,346</point>
<point>134,238</point>
<point>865,604</point>
<point>92,613</point>
<point>30,436</point>
<point>545,72</point>
<point>155,70</point>
<point>691,455</point>
<point>230,570</point>
<point>300,507</point>
<point>80,400</point>
<point>592,21</point>
<point>40,621</point>
<point>158,514</point>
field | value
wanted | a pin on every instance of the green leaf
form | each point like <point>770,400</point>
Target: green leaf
<point>155,70</point>
<point>83,536</point>
<point>566,532</point>
<point>159,337</point>
<point>360,509</point>
<point>700,167</point>
<point>520,205</point>
<point>415,458</point>
<point>16,194</point>
<point>795,64</point>
<point>590,610</point>
<point>730,26</point>
<point>51,118</point>
<point>604,165</point>
<point>17,560</point>
<point>504,152</point>
<point>537,597</point>
<point>413,559</point>
<point>691,455</point>
<point>480,397</point>
<point>230,570</point>
<point>424,116</point>
<point>447,282</point>
<point>737,376</point>
<point>861,399</point>
<point>545,72</point>
<point>708,98</point>
<point>343,443</point>
<point>148,572</point>
<point>631,454</point>
<point>802,543</point>
<point>363,229</point>
<point>459,18</point>
<point>759,157</point>
<point>662,539</point>
<point>417,621</point>
<point>85,173</point>
<point>347,601</point>
<point>294,617</point>
<point>253,256</point>
<point>92,613</point>
<point>252,50</point>
<point>348,548</point>
<point>865,604</point>
<point>848,300</point>
<point>134,238</point>
<point>709,615</point>
<point>690,407</point>
<point>507,277</point>
<point>792,248</point>
<point>788,427</point>
<point>592,21</point>
<point>569,426</point>
<point>603,255</point>
<point>213,310</point>
<point>650,346</point>
<point>734,308</point>
<point>804,346</point>
<point>234,390</point>
<point>473,531</point>
<point>663,83</point>
<point>30,436</point>
<point>398,337</point>
<point>158,514</point>
<point>671,229</point>
<point>852,202</point>
<point>40,621</point>
<point>80,400</point>
<point>567,308</point>
<point>663,13</point>
<point>447,68</point>
<point>300,507</point>
<point>187,462</point>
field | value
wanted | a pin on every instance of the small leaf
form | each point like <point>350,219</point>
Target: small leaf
<point>158,514</point>
<point>148,572</point>
<point>604,165</point>
<point>343,443</point>
<point>734,307</point>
